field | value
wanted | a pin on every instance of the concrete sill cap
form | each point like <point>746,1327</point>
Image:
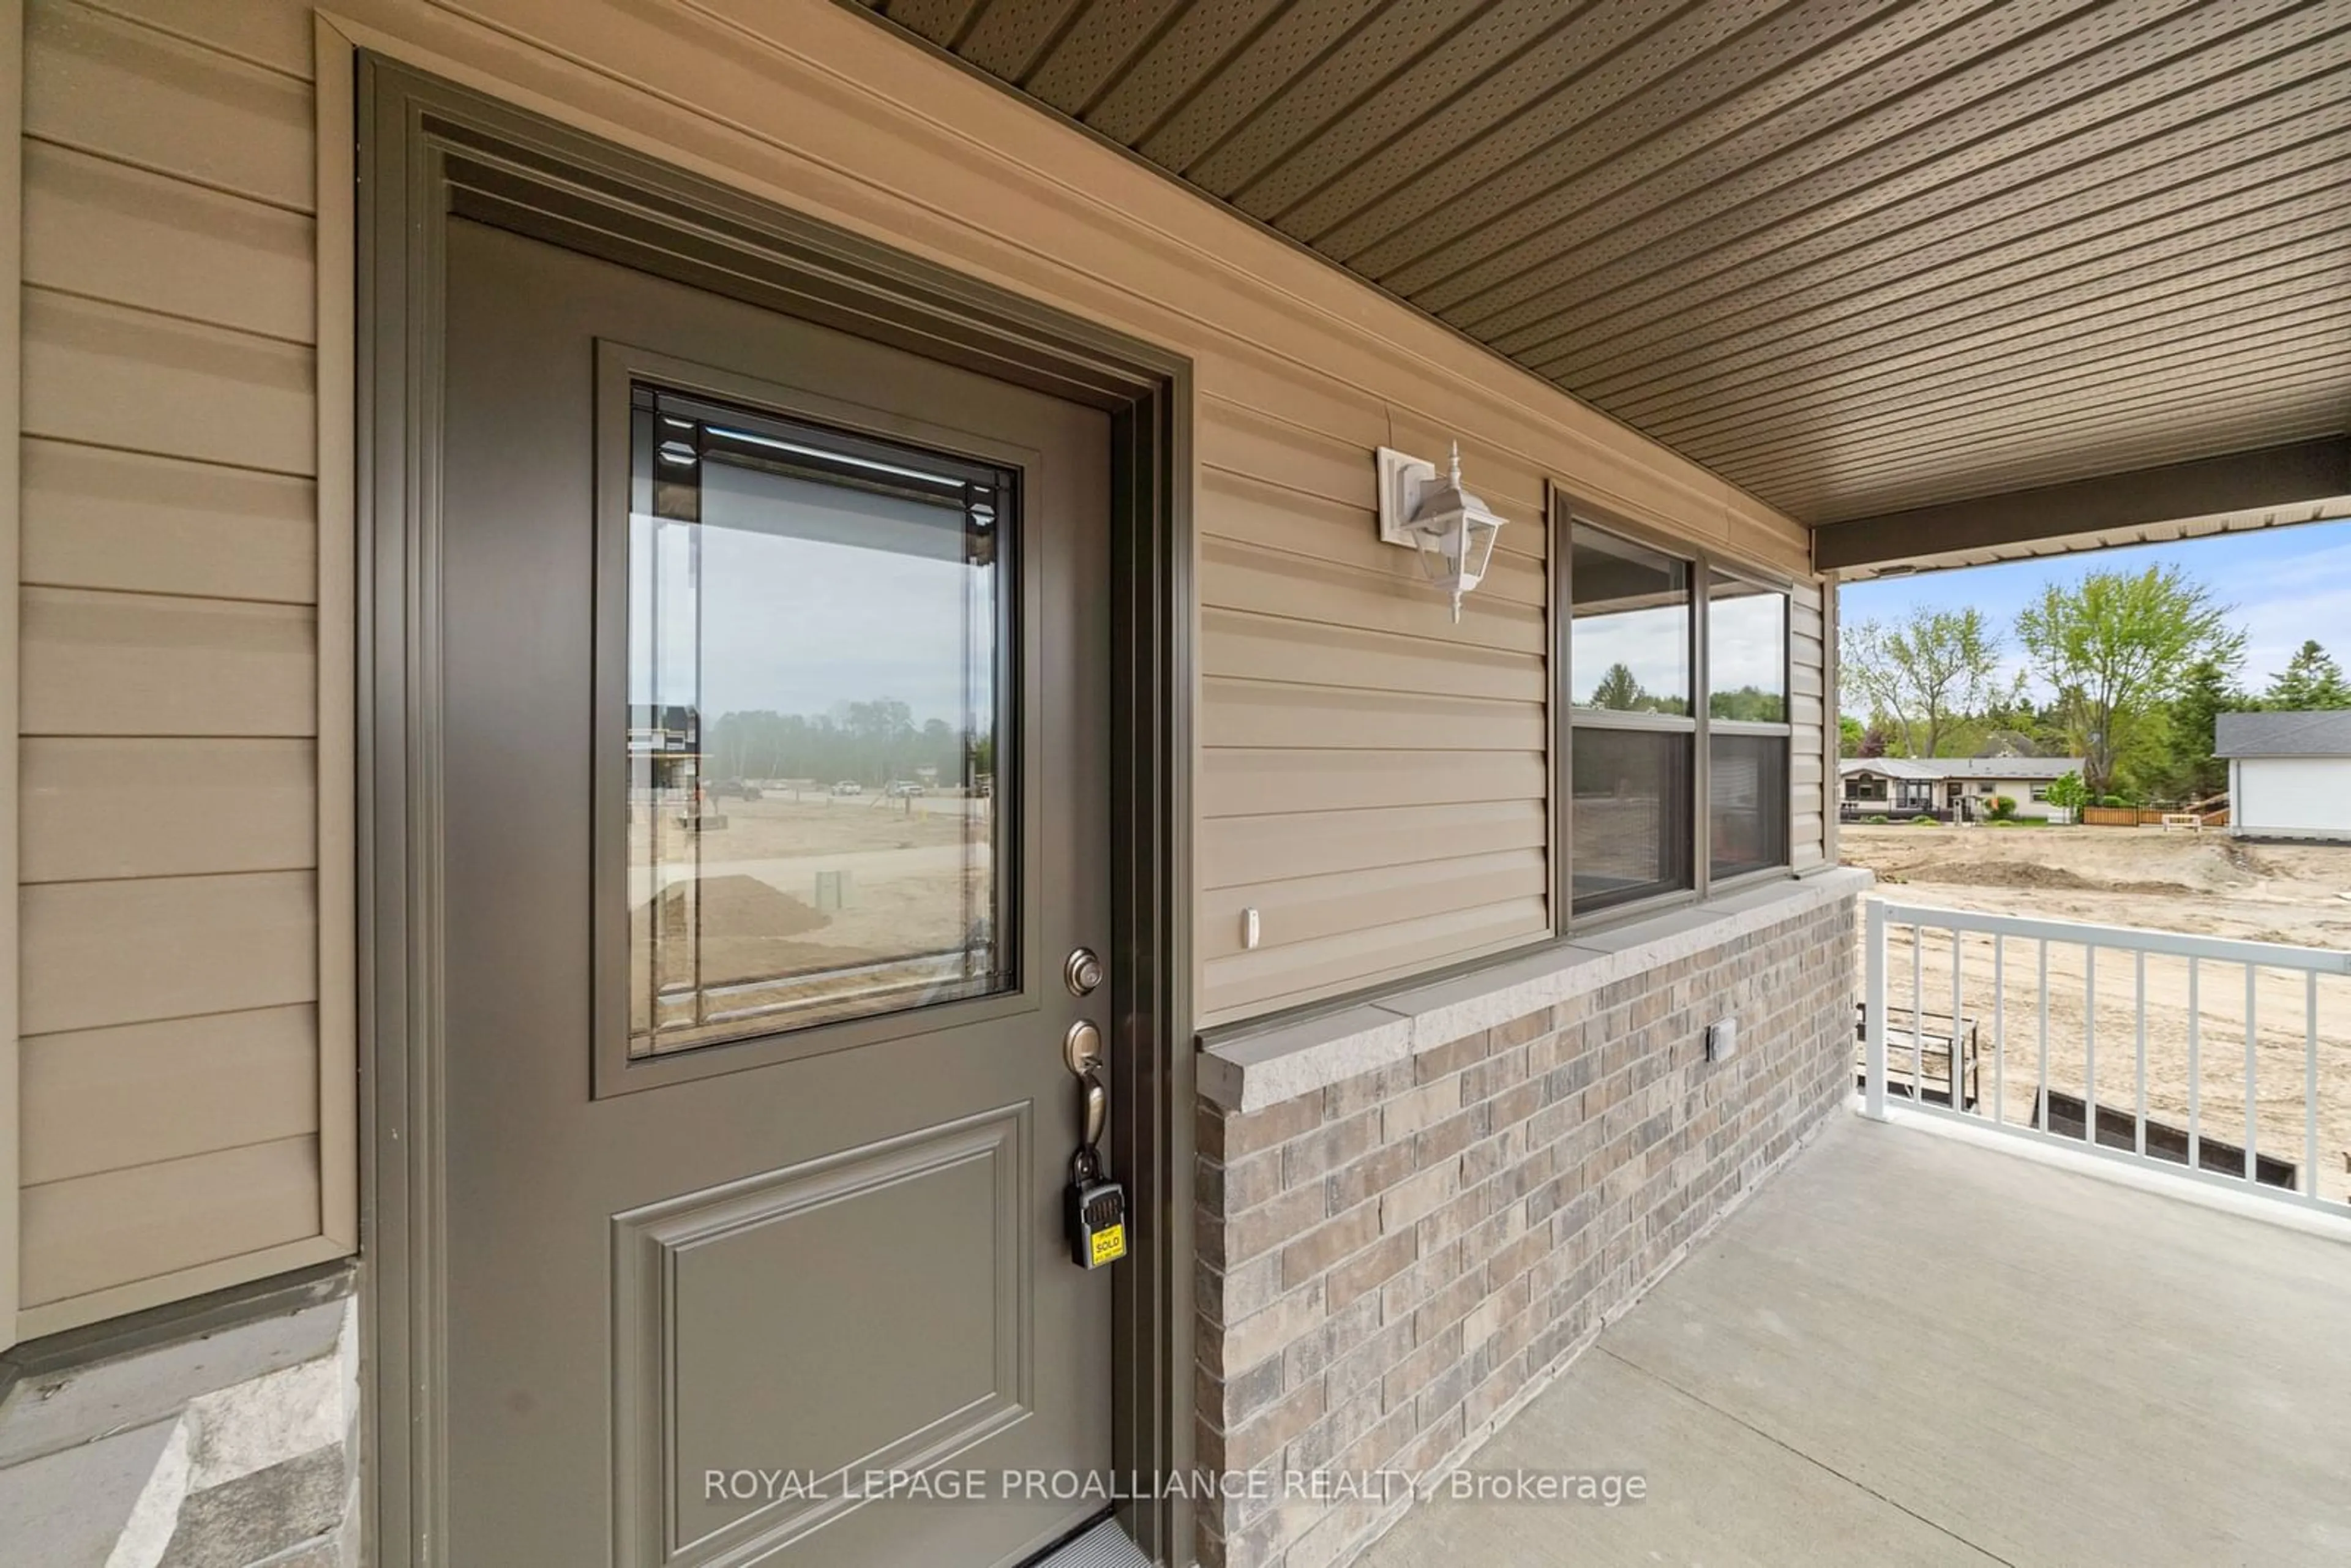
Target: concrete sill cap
<point>1264,1067</point>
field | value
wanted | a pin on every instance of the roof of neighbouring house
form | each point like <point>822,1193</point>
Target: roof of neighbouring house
<point>1940,768</point>
<point>2322,733</point>
<point>2007,743</point>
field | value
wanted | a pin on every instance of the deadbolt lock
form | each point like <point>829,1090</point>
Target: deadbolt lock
<point>1081,971</point>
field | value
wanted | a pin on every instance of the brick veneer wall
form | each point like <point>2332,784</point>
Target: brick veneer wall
<point>1391,1265</point>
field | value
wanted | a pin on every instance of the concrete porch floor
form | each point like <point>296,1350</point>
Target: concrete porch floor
<point>1907,1349</point>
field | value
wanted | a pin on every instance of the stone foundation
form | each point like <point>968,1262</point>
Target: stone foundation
<point>215,1434</point>
<point>1392,1262</point>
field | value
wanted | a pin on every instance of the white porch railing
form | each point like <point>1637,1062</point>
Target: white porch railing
<point>2229,1075</point>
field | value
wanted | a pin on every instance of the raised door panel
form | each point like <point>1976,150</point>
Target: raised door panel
<point>887,1288</point>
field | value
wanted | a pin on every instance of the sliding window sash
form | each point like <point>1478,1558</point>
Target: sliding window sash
<point>1698,725</point>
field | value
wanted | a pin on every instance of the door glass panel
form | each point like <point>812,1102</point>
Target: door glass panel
<point>818,675</point>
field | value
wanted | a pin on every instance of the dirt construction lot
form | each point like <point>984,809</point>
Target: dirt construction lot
<point>811,899</point>
<point>2208,885</point>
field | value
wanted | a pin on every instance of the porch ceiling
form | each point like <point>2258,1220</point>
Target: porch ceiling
<point>1860,256</point>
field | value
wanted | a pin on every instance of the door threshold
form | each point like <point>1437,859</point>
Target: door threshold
<point>1100,1545</point>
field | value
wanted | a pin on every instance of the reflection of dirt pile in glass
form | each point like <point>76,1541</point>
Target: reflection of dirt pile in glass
<point>806,906</point>
<point>746,930</point>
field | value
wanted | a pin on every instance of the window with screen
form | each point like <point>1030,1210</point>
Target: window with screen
<point>1679,745</point>
<point>1633,749</point>
<point>1746,726</point>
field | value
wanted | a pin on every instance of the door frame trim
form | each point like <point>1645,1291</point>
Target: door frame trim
<point>428,149</point>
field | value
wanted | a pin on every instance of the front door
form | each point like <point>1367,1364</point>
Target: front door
<point>774,749</point>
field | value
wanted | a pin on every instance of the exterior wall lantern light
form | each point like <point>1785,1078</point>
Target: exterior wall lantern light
<point>1453,530</point>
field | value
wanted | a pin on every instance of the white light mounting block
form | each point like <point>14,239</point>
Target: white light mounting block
<point>1403,477</point>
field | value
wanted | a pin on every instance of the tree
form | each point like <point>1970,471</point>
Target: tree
<point>1927,673</point>
<point>2016,726</point>
<point>2068,792</point>
<point>2206,691</point>
<point>1747,705</point>
<point>1873,742</point>
<point>2311,679</point>
<point>872,742</point>
<point>1618,690</point>
<point>2116,646</point>
<point>1850,735</point>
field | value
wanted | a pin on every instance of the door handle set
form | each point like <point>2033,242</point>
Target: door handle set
<point>1081,1050</point>
<point>1097,1205</point>
<point>1082,1053</point>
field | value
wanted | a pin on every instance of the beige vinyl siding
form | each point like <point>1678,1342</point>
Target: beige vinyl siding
<point>101,518</point>
<point>169,668</point>
<point>85,1234</point>
<point>94,227</point>
<point>138,1093</point>
<point>12,294</point>
<point>130,807</point>
<point>135,95</point>
<point>1289,551</point>
<point>132,379</point>
<point>1808,745</point>
<point>106,663</point>
<point>1371,778</point>
<point>1369,775</point>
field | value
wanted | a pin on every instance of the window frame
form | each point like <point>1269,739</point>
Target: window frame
<point>1565,513</point>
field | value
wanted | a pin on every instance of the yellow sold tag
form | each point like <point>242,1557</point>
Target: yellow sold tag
<point>1109,1245</point>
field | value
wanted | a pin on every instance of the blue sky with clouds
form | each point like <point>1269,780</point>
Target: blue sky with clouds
<point>2285,585</point>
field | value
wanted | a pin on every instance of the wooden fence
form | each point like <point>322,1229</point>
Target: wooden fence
<point>2141,816</point>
